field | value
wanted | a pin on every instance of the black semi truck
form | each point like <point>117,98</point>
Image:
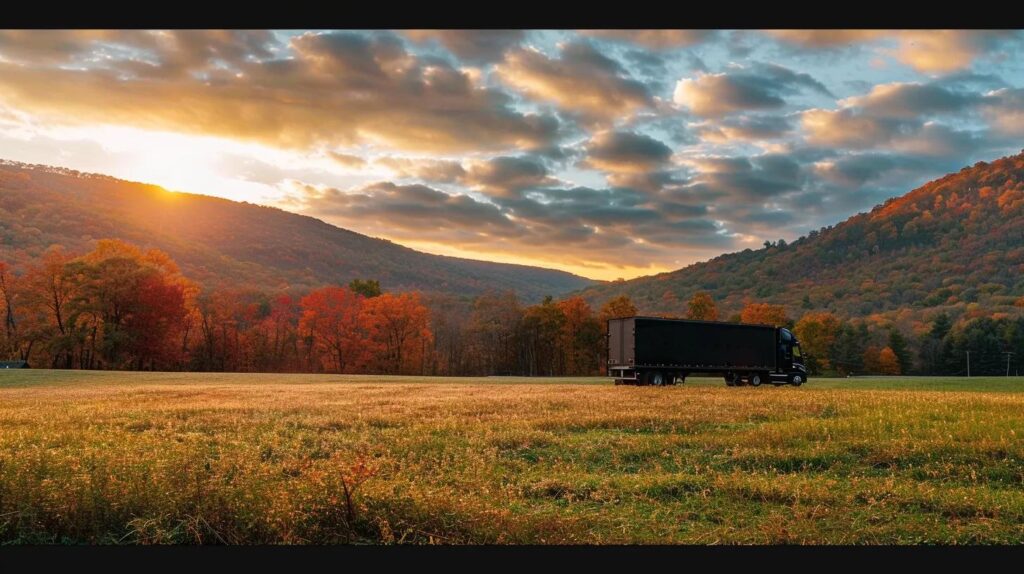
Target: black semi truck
<point>655,351</point>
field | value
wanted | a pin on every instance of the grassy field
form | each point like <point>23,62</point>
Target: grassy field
<point>89,457</point>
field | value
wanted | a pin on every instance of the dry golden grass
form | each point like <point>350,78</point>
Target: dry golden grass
<point>212,459</point>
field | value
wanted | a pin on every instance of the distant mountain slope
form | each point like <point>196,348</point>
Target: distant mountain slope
<point>219,242</point>
<point>955,244</point>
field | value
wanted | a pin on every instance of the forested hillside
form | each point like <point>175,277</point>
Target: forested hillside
<point>222,243</point>
<point>954,245</point>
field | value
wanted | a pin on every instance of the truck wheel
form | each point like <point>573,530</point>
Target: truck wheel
<point>796,380</point>
<point>659,379</point>
<point>732,380</point>
<point>755,379</point>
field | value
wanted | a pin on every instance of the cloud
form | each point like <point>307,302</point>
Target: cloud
<point>849,128</point>
<point>626,152</point>
<point>747,179</point>
<point>347,160</point>
<point>581,81</point>
<point>746,128</point>
<point>1004,109</point>
<point>336,89</point>
<point>507,176</point>
<point>826,38</point>
<point>594,228</point>
<point>139,51</point>
<point>476,46</point>
<point>756,88</point>
<point>937,140</point>
<point>427,169</point>
<point>929,51</point>
<point>941,51</point>
<point>655,39</point>
<point>399,210</point>
<point>911,100</point>
<point>648,181</point>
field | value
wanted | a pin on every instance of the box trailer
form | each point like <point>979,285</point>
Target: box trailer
<point>656,351</point>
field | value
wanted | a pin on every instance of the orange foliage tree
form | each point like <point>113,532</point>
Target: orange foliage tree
<point>702,307</point>
<point>399,332</point>
<point>580,335</point>
<point>615,308</point>
<point>888,362</point>
<point>817,334</point>
<point>764,314</point>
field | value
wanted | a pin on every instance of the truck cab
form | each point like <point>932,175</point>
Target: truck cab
<point>790,362</point>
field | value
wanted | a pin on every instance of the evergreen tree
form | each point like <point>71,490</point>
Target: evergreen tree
<point>847,354</point>
<point>898,344</point>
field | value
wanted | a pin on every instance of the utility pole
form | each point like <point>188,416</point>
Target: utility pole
<point>968,363</point>
<point>1008,354</point>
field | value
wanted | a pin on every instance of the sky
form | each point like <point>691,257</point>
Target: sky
<point>607,153</point>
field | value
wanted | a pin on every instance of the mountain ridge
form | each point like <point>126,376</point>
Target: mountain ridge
<point>220,242</point>
<point>954,244</point>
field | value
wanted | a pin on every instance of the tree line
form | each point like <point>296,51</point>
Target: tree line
<point>125,308</point>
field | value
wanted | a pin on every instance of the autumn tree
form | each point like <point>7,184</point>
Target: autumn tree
<point>616,308</point>
<point>888,363</point>
<point>399,332</point>
<point>275,338</point>
<point>872,360</point>
<point>580,336</point>
<point>817,334</point>
<point>11,342</point>
<point>335,326</point>
<point>452,352</point>
<point>764,314</point>
<point>538,337</point>
<point>670,304</point>
<point>702,307</point>
<point>493,324</point>
<point>129,305</point>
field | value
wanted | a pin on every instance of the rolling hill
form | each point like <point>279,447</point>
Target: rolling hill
<point>218,242</point>
<point>956,244</point>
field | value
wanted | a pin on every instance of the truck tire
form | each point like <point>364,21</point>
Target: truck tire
<point>659,378</point>
<point>732,380</point>
<point>796,380</point>
<point>755,379</point>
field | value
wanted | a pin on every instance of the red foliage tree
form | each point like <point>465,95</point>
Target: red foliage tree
<point>333,321</point>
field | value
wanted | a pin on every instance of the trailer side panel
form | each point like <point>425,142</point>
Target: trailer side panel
<point>704,345</point>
